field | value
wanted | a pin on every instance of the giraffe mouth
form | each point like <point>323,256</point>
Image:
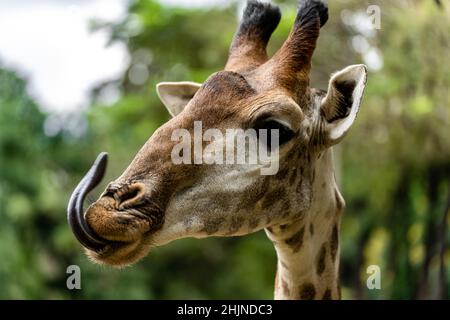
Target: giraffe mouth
<point>123,234</point>
<point>75,213</point>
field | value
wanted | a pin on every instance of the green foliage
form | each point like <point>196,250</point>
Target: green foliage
<point>394,164</point>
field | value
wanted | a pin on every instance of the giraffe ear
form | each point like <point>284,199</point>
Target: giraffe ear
<point>176,95</point>
<point>341,104</point>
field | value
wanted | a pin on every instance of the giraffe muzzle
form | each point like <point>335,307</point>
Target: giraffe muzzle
<point>75,213</point>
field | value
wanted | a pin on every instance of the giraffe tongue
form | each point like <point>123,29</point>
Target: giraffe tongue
<point>75,213</point>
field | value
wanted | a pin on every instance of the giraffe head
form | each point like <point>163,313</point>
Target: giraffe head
<point>156,200</point>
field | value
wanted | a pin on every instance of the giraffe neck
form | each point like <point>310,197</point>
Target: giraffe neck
<point>308,249</point>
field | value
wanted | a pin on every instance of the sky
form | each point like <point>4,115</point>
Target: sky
<point>49,43</point>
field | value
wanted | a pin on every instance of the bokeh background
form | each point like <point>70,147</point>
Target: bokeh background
<point>78,77</point>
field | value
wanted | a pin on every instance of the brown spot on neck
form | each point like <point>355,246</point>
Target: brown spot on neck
<point>285,288</point>
<point>307,291</point>
<point>320,262</point>
<point>334,242</point>
<point>327,294</point>
<point>296,241</point>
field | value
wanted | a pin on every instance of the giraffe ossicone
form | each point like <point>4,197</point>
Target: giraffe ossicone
<point>156,201</point>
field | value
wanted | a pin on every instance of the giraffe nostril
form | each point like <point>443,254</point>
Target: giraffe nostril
<point>129,195</point>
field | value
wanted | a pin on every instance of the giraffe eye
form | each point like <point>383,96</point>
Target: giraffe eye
<point>285,133</point>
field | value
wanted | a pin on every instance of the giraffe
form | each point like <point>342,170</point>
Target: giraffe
<point>155,201</point>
